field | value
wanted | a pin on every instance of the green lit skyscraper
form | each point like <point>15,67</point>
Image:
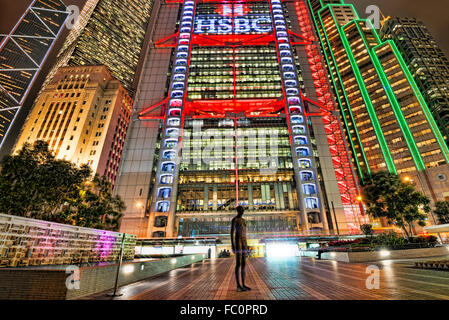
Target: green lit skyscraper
<point>387,120</point>
<point>427,63</point>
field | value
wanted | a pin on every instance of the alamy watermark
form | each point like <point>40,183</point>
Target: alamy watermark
<point>73,280</point>
<point>373,280</point>
<point>374,17</point>
<point>74,18</point>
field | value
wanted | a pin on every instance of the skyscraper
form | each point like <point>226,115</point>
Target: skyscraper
<point>110,33</point>
<point>83,114</point>
<point>22,54</point>
<point>245,117</point>
<point>427,63</point>
<point>387,120</point>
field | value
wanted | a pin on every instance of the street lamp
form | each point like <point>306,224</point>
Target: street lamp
<point>407,179</point>
<point>359,199</point>
<point>117,275</point>
<point>140,205</point>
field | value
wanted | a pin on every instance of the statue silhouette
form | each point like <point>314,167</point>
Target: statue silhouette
<point>239,247</point>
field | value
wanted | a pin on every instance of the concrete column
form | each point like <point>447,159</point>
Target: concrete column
<point>262,190</point>
<point>281,195</point>
<point>206,198</point>
<point>214,198</point>
<point>250,197</point>
<point>276,196</point>
<point>290,196</point>
<point>304,222</point>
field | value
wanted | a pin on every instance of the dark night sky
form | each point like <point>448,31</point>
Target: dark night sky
<point>434,13</point>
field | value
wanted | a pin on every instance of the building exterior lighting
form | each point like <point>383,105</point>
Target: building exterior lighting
<point>23,53</point>
<point>384,253</point>
<point>127,269</point>
<point>92,127</point>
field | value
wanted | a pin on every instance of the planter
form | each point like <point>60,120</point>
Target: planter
<point>372,256</point>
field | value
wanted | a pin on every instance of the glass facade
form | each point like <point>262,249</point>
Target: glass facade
<point>238,123</point>
<point>114,37</point>
<point>110,33</point>
<point>426,62</point>
<point>387,120</point>
<point>22,54</point>
<point>234,73</point>
<point>235,129</point>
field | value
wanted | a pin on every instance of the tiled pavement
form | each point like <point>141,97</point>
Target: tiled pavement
<point>291,279</point>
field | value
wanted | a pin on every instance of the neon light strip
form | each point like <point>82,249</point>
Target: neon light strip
<point>290,102</point>
<point>344,174</point>
<point>340,103</point>
<point>421,100</point>
<point>175,110</point>
<point>363,90</point>
<point>391,97</point>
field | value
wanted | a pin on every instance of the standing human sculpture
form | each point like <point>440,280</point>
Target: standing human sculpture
<point>239,247</point>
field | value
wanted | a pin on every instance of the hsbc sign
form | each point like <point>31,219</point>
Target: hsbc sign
<point>238,25</point>
<point>233,19</point>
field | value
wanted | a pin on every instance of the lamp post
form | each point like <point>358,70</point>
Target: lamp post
<point>139,205</point>
<point>117,276</point>
<point>360,200</point>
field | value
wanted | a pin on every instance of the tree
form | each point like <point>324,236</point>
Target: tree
<point>96,207</point>
<point>442,211</point>
<point>367,229</point>
<point>387,196</point>
<point>34,184</point>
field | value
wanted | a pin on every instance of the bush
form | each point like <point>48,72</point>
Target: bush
<point>424,239</point>
<point>390,239</point>
<point>341,243</point>
<point>366,241</point>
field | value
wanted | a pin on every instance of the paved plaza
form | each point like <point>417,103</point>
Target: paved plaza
<point>291,279</point>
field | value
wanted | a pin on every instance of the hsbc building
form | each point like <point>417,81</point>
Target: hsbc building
<point>234,108</point>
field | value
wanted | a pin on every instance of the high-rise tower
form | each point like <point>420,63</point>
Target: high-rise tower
<point>427,63</point>
<point>110,33</point>
<point>387,120</point>
<point>22,54</point>
<point>83,114</point>
<point>246,117</point>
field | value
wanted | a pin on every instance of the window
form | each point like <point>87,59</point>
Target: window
<point>169,155</point>
<point>302,152</point>
<point>162,206</point>
<point>168,167</point>
<point>164,193</point>
<point>301,140</point>
<point>158,234</point>
<point>304,163</point>
<point>309,189</point>
<point>306,176</point>
<point>166,179</point>
<point>311,203</point>
<point>160,221</point>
